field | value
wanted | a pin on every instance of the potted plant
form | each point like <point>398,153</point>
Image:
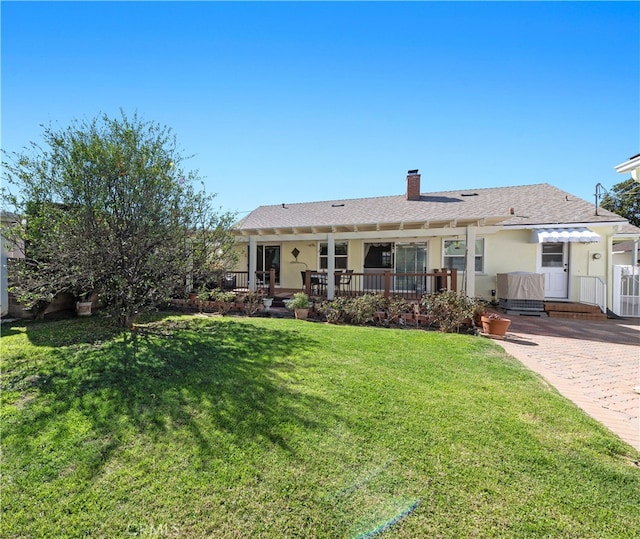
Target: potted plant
<point>494,324</point>
<point>300,305</point>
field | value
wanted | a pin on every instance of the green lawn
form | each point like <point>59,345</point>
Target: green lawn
<point>232,427</point>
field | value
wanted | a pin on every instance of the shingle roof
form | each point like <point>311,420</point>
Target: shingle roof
<point>538,204</point>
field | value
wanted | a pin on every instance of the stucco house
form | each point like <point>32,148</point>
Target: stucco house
<point>630,166</point>
<point>528,228</point>
<point>624,252</point>
<point>7,251</point>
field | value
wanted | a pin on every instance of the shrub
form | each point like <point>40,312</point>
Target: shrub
<point>224,296</point>
<point>334,311</point>
<point>396,306</point>
<point>449,309</point>
<point>252,302</point>
<point>359,310</point>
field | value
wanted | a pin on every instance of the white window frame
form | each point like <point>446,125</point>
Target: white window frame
<point>478,255</point>
<point>338,265</point>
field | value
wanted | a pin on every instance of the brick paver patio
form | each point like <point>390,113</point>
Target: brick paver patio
<point>594,364</point>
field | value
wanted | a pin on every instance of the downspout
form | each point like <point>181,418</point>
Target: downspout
<point>609,281</point>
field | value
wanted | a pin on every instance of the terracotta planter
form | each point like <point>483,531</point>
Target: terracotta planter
<point>495,326</point>
<point>301,314</point>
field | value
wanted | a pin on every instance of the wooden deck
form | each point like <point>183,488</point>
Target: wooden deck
<point>576,311</point>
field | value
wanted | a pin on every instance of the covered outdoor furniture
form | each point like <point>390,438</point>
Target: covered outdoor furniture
<point>229,281</point>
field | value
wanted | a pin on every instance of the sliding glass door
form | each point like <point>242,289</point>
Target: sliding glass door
<point>268,257</point>
<point>410,258</point>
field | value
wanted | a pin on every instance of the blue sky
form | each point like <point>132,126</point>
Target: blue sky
<point>300,101</point>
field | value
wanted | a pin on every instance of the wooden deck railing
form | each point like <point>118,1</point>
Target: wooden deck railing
<point>348,283</point>
<point>387,283</point>
<point>239,280</point>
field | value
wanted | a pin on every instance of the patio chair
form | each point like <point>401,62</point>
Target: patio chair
<point>343,280</point>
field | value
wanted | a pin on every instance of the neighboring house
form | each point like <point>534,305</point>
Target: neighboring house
<point>624,252</point>
<point>529,228</point>
<point>8,251</point>
<point>631,166</point>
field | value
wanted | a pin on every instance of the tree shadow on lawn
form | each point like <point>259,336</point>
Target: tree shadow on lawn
<point>66,331</point>
<point>222,383</point>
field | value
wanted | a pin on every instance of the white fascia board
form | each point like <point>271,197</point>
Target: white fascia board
<point>632,166</point>
<point>562,225</point>
<point>379,234</point>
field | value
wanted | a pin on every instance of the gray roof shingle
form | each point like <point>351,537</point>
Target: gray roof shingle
<point>537,204</point>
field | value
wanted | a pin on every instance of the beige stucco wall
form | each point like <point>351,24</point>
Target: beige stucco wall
<point>505,251</point>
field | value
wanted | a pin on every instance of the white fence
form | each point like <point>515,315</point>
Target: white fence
<point>593,291</point>
<point>626,291</point>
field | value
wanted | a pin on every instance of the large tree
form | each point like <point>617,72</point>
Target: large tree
<point>109,209</point>
<point>624,199</point>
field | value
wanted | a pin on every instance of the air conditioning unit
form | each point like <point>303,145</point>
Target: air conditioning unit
<point>521,291</point>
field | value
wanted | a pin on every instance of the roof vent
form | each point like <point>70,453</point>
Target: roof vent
<point>468,194</point>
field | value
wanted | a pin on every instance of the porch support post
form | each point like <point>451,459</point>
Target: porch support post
<point>331,266</point>
<point>470,263</point>
<point>253,260</point>
<point>609,266</point>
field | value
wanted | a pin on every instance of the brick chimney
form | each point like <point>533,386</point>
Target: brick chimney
<point>413,185</point>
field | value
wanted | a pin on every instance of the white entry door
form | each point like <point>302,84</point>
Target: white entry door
<point>554,264</point>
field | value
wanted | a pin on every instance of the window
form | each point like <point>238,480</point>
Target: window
<point>378,255</point>
<point>552,255</point>
<point>454,254</point>
<point>340,254</point>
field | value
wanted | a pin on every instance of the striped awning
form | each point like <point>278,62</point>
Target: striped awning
<point>563,235</point>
